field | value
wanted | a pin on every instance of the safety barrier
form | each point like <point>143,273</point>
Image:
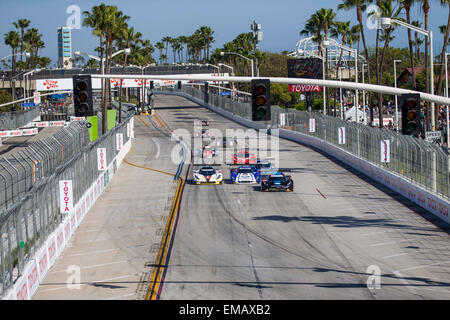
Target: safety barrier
<point>35,230</point>
<point>438,204</point>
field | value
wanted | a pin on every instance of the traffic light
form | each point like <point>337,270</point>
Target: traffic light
<point>260,100</point>
<point>179,85</point>
<point>82,96</point>
<point>411,122</point>
<point>152,85</point>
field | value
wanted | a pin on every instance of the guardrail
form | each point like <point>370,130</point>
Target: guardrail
<point>34,177</point>
<point>18,119</point>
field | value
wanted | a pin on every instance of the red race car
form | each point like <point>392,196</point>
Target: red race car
<point>244,157</point>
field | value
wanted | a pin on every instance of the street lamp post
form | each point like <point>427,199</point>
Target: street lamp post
<point>396,99</point>
<point>25,81</point>
<point>386,23</point>
<point>232,73</point>
<point>251,60</point>
<point>340,93</point>
<point>364,93</point>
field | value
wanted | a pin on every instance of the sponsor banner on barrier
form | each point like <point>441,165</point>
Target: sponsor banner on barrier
<point>341,132</point>
<point>312,125</point>
<point>67,229</point>
<point>65,196</point>
<point>22,289</point>
<point>42,263</point>
<point>119,141</point>
<point>32,276</point>
<point>40,124</point>
<point>37,97</point>
<point>51,249</point>
<point>385,151</point>
<point>57,123</point>
<point>60,240</point>
<point>77,118</point>
<point>101,159</point>
<point>282,119</point>
<point>128,130</point>
<point>30,132</point>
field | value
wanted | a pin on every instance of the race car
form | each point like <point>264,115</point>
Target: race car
<point>244,157</point>
<point>207,175</point>
<point>245,174</point>
<point>266,167</point>
<point>277,182</point>
<point>202,123</point>
<point>205,123</point>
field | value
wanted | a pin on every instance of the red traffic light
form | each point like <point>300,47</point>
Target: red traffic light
<point>260,89</point>
<point>411,103</point>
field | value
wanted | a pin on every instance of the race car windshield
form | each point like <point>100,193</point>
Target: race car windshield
<point>207,172</point>
<point>245,171</point>
<point>243,155</point>
<point>276,179</point>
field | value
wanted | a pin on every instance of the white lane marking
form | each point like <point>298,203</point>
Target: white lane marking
<point>410,288</point>
<point>92,252</point>
<point>91,282</point>
<point>415,252</point>
<point>424,266</point>
<point>118,297</point>
<point>94,266</point>
<point>392,242</point>
<point>157,146</point>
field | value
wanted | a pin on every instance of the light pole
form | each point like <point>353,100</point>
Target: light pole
<point>386,23</point>
<point>251,60</point>
<point>364,93</point>
<point>396,99</point>
<point>25,81</point>
<point>340,92</point>
<point>446,93</point>
<point>232,73</point>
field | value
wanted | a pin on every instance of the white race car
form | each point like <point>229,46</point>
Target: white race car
<point>208,175</point>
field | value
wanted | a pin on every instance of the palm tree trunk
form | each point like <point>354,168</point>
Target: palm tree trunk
<point>411,54</point>
<point>441,68</point>
<point>426,8</point>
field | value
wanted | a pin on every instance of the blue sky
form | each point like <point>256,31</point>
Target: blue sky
<point>281,20</point>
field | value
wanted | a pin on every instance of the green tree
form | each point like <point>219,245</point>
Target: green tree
<point>12,39</point>
<point>22,24</point>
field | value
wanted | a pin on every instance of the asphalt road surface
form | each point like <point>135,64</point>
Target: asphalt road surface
<point>329,239</point>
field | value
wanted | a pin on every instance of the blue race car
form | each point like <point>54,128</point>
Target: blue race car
<point>245,174</point>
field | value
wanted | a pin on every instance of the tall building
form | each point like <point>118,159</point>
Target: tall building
<point>64,47</point>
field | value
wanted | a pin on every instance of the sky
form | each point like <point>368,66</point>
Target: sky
<point>281,21</point>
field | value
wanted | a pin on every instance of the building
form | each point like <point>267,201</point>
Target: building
<point>64,48</point>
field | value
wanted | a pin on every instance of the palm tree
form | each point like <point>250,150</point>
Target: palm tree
<point>160,47</point>
<point>360,6</point>
<point>128,38</point>
<point>22,24</point>
<point>166,40</point>
<point>407,5</point>
<point>387,10</point>
<point>33,42</point>
<point>445,29</point>
<point>207,35</point>
<point>12,39</point>
<point>417,41</point>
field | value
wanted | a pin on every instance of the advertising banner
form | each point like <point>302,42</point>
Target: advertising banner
<point>304,88</point>
<point>341,132</point>
<point>66,196</point>
<point>385,151</point>
<point>119,141</point>
<point>101,159</point>
<point>312,125</point>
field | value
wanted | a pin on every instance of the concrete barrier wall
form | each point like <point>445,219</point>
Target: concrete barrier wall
<point>422,197</point>
<point>37,268</point>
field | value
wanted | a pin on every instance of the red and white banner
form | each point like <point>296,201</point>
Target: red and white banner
<point>282,119</point>
<point>385,151</point>
<point>66,196</point>
<point>18,133</point>
<point>119,141</point>
<point>304,88</point>
<point>341,132</point>
<point>77,118</point>
<point>101,159</point>
<point>312,125</point>
<point>37,97</point>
